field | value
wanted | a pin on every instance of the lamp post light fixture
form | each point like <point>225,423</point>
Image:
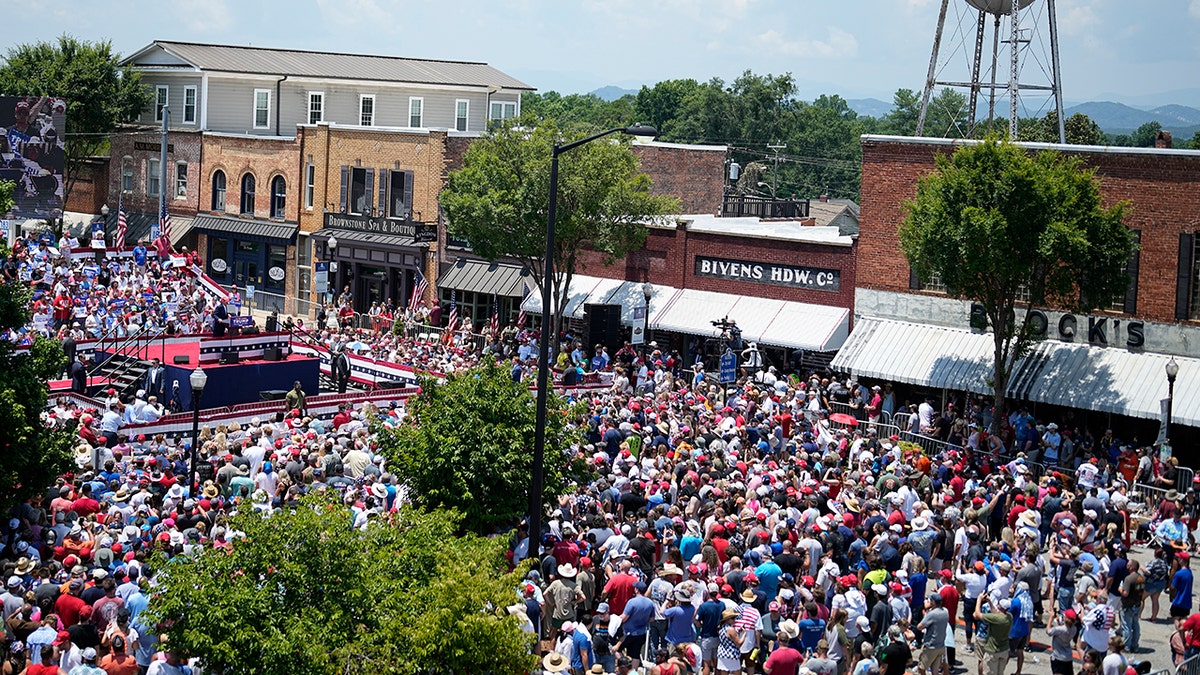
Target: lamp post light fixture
<point>1172,372</point>
<point>647,293</point>
<point>198,379</point>
<point>543,375</point>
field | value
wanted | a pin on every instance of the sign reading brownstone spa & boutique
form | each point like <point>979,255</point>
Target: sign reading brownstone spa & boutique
<point>813,278</point>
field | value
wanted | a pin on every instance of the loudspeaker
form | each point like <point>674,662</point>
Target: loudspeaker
<point>182,359</point>
<point>272,354</point>
<point>272,323</point>
<point>228,357</point>
<point>250,330</point>
<point>273,394</point>
<point>604,327</point>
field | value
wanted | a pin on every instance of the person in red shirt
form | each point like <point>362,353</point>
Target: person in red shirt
<point>69,604</point>
<point>1191,634</point>
<point>784,419</point>
<point>342,416</point>
<point>785,660</point>
<point>619,588</point>
<point>85,505</point>
<point>950,599</point>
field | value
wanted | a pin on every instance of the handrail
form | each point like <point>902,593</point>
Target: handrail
<point>120,348</point>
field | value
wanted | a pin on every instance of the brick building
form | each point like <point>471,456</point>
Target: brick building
<point>135,180</point>
<point>1111,361</point>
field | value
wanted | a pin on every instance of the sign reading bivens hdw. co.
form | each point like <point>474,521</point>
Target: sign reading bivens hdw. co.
<point>769,273</point>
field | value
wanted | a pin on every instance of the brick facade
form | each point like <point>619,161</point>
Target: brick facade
<point>262,157</point>
<point>89,188</point>
<point>693,175</point>
<point>135,150</point>
<point>1162,187</point>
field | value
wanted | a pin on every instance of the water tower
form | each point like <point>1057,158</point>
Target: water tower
<point>1026,31</point>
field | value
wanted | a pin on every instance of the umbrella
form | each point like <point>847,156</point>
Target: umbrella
<point>843,418</point>
<point>357,346</point>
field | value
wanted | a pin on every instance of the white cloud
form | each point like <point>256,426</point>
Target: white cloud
<point>1194,8</point>
<point>205,16</point>
<point>837,44</point>
<point>1078,19</point>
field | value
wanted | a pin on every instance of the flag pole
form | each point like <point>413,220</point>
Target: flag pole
<point>162,165</point>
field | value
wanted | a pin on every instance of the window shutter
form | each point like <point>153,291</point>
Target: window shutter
<point>368,190</point>
<point>408,197</point>
<point>345,189</point>
<point>914,282</point>
<point>383,186</point>
<point>1183,281</point>
<point>1132,291</point>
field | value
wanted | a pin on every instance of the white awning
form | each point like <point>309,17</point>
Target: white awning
<point>1104,379</point>
<point>630,297</point>
<point>584,290</point>
<point>769,322</point>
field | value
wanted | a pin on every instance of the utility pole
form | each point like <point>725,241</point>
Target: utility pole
<point>775,172</point>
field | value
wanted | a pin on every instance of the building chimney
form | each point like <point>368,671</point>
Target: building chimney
<point>823,198</point>
<point>808,222</point>
<point>1162,139</point>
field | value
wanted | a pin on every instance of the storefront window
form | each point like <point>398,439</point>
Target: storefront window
<point>218,257</point>
<point>247,247</point>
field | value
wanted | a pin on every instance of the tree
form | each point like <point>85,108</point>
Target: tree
<point>1146,134</point>
<point>660,105</point>
<point>994,222</point>
<point>948,115</point>
<point>31,454</point>
<point>1195,142</point>
<point>467,444</point>
<point>303,593</point>
<point>99,93</point>
<point>498,201</point>
<point>1079,128</point>
<point>906,107</point>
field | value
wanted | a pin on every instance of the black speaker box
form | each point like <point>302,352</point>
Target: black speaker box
<point>250,330</point>
<point>604,327</point>
<point>182,358</point>
<point>272,354</point>
<point>228,357</point>
<point>272,323</point>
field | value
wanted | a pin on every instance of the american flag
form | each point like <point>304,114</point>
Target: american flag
<point>122,226</point>
<point>452,324</point>
<point>418,292</point>
<point>521,318</point>
<point>164,222</point>
<point>495,314</point>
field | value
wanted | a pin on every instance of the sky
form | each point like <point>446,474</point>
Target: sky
<point>1144,51</point>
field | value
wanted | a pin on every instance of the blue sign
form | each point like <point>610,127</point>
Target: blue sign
<point>241,321</point>
<point>728,367</point>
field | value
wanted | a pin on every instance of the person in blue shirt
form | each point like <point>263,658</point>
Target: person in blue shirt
<point>708,624</point>
<point>768,575</point>
<point>636,622</point>
<point>582,656</point>
<point>139,253</point>
<point>1181,587</point>
<point>812,628</point>
<point>679,615</point>
<point>689,544</point>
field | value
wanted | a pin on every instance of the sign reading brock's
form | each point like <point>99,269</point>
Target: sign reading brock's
<point>769,273</point>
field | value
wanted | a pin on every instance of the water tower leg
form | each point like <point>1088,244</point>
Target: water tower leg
<point>995,61</point>
<point>932,76</point>
<point>972,109</point>
<point>1057,84</point>
<point>1014,81</point>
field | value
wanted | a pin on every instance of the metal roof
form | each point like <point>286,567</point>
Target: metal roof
<point>1104,379</point>
<point>138,224</point>
<point>489,278</point>
<point>368,238</point>
<point>246,227</point>
<point>331,65</point>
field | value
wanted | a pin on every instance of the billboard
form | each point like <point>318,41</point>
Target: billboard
<point>32,153</point>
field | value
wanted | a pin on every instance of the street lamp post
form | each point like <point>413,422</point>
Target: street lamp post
<point>198,380</point>
<point>1172,373</point>
<point>543,374</point>
<point>647,293</point>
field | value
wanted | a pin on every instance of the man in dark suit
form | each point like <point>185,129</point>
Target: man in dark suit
<point>155,383</point>
<point>340,367</point>
<point>220,319</point>
<point>79,375</point>
<point>68,346</point>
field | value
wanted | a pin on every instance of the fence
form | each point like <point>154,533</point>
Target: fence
<point>1189,666</point>
<point>275,302</point>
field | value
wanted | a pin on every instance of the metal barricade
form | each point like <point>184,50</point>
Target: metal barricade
<point>1189,666</point>
<point>1150,495</point>
<point>931,446</point>
<point>1186,478</point>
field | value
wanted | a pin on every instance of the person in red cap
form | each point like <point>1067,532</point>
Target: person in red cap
<point>1063,631</point>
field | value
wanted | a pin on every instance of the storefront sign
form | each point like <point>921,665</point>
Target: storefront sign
<point>769,273</point>
<point>1098,331</point>
<point>152,147</point>
<point>420,232</point>
<point>219,265</point>
<point>321,278</point>
<point>276,273</point>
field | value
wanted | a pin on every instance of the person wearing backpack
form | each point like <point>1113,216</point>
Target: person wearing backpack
<point>1133,591</point>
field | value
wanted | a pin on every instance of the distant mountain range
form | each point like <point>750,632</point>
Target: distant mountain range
<point>1115,118</point>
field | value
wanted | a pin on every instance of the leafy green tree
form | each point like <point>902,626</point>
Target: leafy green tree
<point>707,115</point>
<point>99,93</point>
<point>31,455</point>
<point>303,593</point>
<point>948,115</point>
<point>1144,136</point>
<point>467,444</point>
<point>906,107</point>
<point>498,201</point>
<point>660,105</point>
<point>1195,142</point>
<point>995,222</point>
<point>582,109</point>
<point>1080,130</point>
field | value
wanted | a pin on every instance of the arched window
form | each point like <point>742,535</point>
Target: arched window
<point>248,194</point>
<point>278,197</point>
<point>218,191</point>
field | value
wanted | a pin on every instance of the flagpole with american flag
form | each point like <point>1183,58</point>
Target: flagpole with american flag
<point>452,324</point>
<point>164,224</point>
<point>495,314</point>
<point>419,289</point>
<point>122,227</point>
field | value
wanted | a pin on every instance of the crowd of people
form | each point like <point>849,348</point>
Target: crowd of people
<point>727,528</point>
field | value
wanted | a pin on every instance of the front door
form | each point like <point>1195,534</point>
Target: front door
<point>247,267</point>
<point>372,283</point>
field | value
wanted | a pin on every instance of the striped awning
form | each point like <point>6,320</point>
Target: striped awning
<point>1104,379</point>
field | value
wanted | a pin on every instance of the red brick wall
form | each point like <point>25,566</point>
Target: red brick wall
<point>695,177</point>
<point>89,191</point>
<point>1163,189</point>
<point>137,149</point>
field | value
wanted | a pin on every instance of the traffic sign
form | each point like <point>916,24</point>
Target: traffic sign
<point>728,367</point>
